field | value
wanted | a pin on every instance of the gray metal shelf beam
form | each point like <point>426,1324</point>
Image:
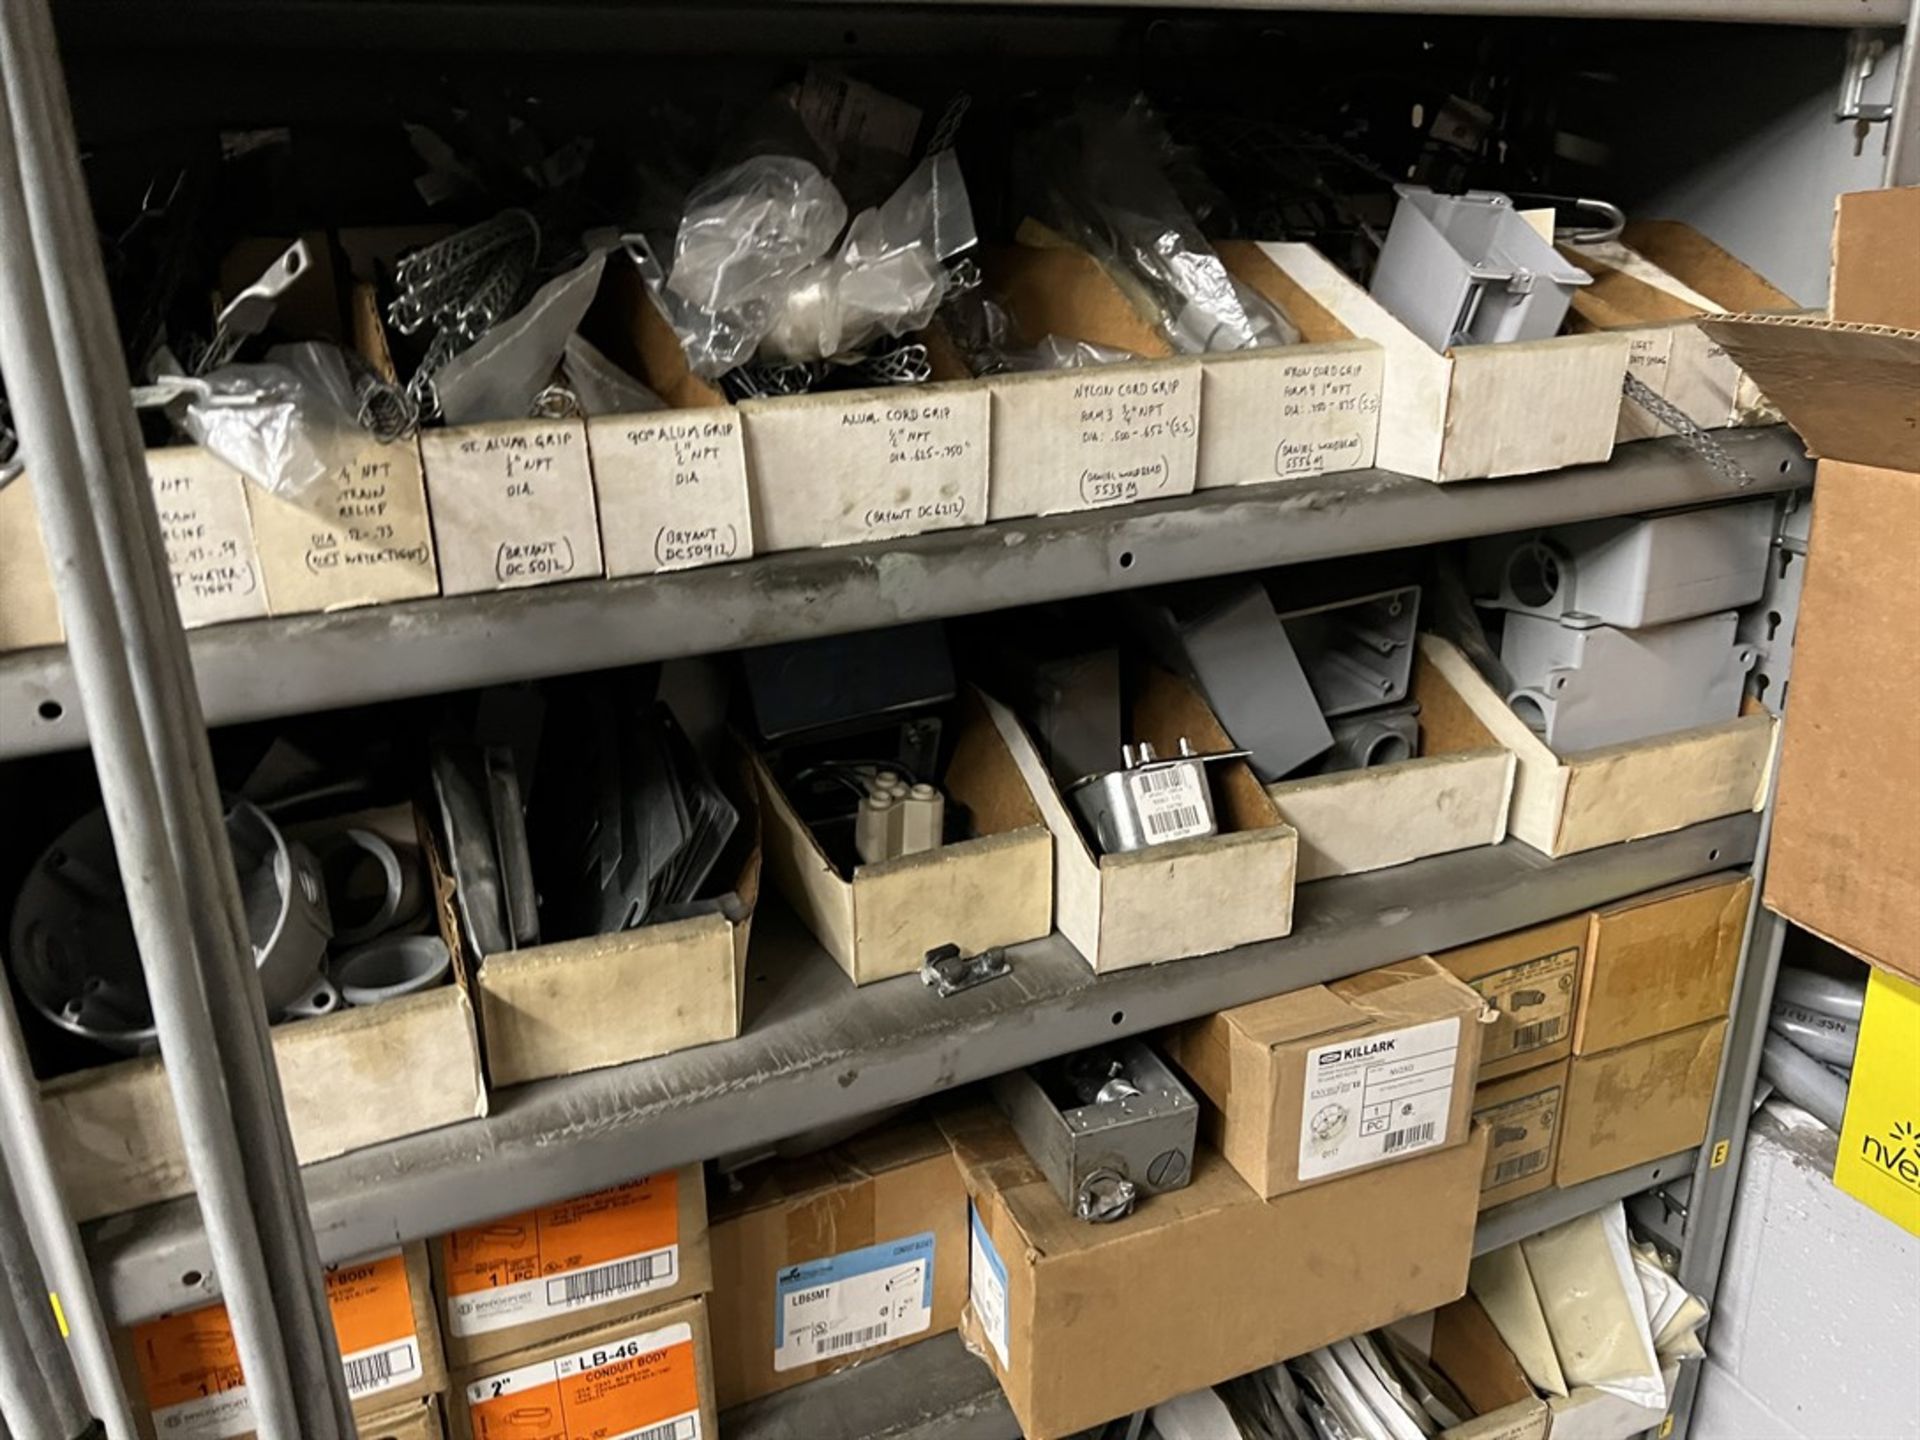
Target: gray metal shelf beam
<point>936,1390</point>
<point>816,1049</point>
<point>292,666</point>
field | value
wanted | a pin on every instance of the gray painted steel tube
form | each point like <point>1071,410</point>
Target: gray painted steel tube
<point>99,573</point>
<point>26,1288</point>
<point>1804,1081</point>
<point>110,446</point>
<point>23,1140</point>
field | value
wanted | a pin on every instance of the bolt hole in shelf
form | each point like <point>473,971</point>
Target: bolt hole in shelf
<point>1126,559</point>
<point>1713,855</point>
<point>1119,1016</point>
<point>51,710</point>
<point>191,1280</point>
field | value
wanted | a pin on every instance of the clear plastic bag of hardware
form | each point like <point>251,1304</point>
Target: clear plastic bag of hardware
<point>285,423</point>
<point>501,373</point>
<point>1099,177</point>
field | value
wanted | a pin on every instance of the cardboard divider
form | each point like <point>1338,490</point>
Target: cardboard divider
<point>880,921</point>
<point>1476,412</point>
<point>1565,804</point>
<point>1452,796</point>
<point>1182,898</point>
<point>353,1078</point>
<point>566,1006</point>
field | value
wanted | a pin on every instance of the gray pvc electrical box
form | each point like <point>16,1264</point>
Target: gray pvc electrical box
<point>1582,688</point>
<point>1468,270</point>
<point>1631,573</point>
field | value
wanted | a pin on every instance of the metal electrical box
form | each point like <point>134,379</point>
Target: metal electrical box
<point>1107,1125</point>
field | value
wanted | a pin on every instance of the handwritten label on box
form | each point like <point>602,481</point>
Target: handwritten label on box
<point>672,489</point>
<point>1290,413</point>
<point>512,504</point>
<point>204,523</point>
<point>359,537</point>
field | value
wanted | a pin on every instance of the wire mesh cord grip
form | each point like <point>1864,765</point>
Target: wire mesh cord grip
<point>1692,434</point>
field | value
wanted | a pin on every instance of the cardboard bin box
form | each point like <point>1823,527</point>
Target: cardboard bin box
<point>1531,980</point>
<point>995,889</point>
<point>1522,1116</point>
<point>651,1375</point>
<point>595,1260</point>
<point>1181,898</point>
<point>671,489</point>
<point>1452,796</point>
<point>1476,412</point>
<point>1331,1079</point>
<point>352,1078</point>
<point>828,469</point>
<point>566,1006</point>
<point>1661,961</point>
<point>184,1373</point>
<point>1210,1267</point>
<point>1111,434</point>
<point>422,1420</point>
<point>1845,861</point>
<point>1654,303</point>
<point>1638,1103</point>
<point>29,610</point>
<point>825,1261</point>
<point>1563,804</point>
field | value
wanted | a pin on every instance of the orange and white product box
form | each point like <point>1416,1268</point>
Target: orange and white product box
<point>649,1379</point>
<point>555,1271</point>
<point>189,1365</point>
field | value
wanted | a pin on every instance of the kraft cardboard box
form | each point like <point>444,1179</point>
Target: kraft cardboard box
<point>596,1260</point>
<point>184,1369</point>
<point>825,1261</point>
<point>422,1420</point>
<point>1530,979</point>
<point>1643,1101</point>
<point>1083,1323</point>
<point>1843,861</point>
<point>1330,1079</point>
<point>1521,1114</point>
<point>1661,961</point>
<point>644,1377</point>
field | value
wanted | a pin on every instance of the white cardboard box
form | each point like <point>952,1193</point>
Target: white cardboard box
<point>1110,435</point>
<point>29,610</point>
<point>1563,804</point>
<point>566,1006</point>
<point>1452,796</point>
<point>1175,900</point>
<point>360,537</point>
<point>995,889</point>
<point>204,522</point>
<point>834,468</point>
<point>512,504</point>
<point>1475,412</point>
<point>672,489</point>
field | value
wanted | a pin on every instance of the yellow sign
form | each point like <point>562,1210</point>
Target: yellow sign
<point>1879,1162</point>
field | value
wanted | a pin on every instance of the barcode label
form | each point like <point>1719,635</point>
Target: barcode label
<point>850,1340</point>
<point>1412,1135</point>
<point>1170,801</point>
<point>1541,1032</point>
<point>1518,1167</point>
<point>684,1428</point>
<point>1182,818</point>
<point>604,1282</point>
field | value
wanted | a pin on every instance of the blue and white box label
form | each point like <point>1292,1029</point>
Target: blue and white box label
<point>843,1304</point>
<point>987,1288</point>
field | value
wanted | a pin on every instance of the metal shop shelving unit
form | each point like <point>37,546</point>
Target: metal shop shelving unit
<point>815,1049</point>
